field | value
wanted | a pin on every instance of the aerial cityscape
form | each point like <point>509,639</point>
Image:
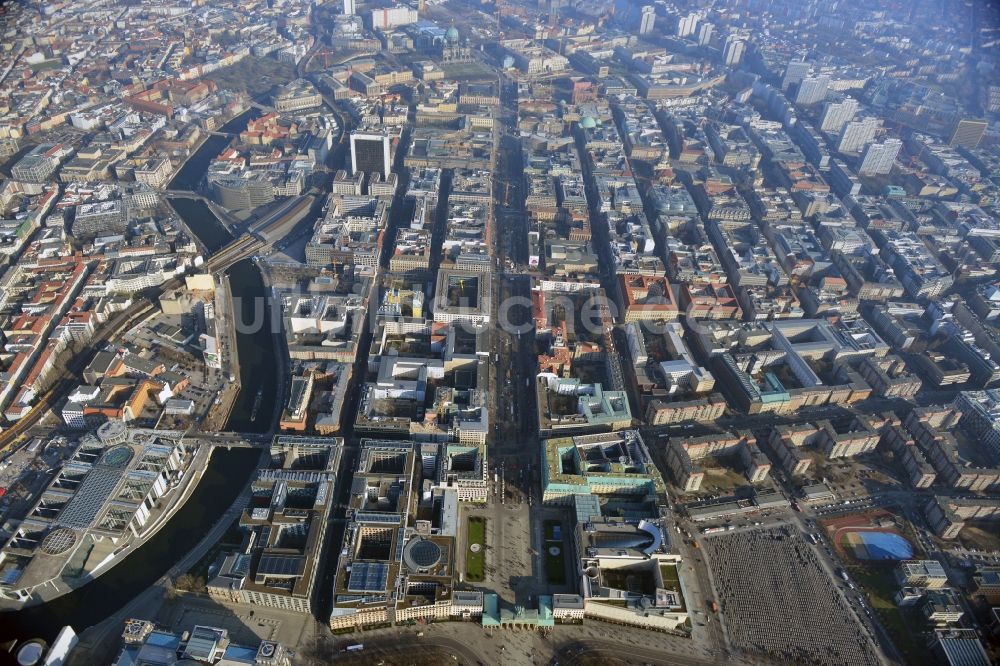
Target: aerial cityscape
<point>503,332</point>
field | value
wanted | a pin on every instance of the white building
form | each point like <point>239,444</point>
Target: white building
<point>687,25</point>
<point>705,34</point>
<point>647,19</point>
<point>838,114</point>
<point>734,49</point>
<point>812,90</point>
<point>794,73</point>
<point>858,133</point>
<point>878,158</point>
<point>392,17</point>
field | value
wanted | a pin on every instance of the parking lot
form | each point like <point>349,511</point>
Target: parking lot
<point>203,383</point>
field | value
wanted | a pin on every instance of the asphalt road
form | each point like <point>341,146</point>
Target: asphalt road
<point>575,652</point>
<point>406,651</point>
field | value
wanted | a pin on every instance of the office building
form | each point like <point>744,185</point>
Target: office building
<point>101,217</point>
<point>878,158</point>
<point>349,8</point>
<point>145,643</point>
<point>286,522</point>
<point>857,134</point>
<point>993,102</point>
<point>554,6</point>
<point>397,558</point>
<point>154,172</point>
<point>968,133</point>
<point>242,193</point>
<point>922,573</point>
<point>371,153</point>
<point>295,414</point>
<point>393,17</point>
<point>959,647</point>
<point>109,490</point>
<point>986,583</point>
<point>812,90</point>
<point>981,416</point>
<point>836,114</point>
<point>942,607</point>
<point>732,54</point>
<point>40,163</point>
<point>463,296</point>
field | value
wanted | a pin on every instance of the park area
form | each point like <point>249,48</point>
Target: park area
<point>475,555</point>
<point>905,625</point>
<point>871,544</point>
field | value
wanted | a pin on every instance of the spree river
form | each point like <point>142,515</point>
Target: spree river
<point>225,476</point>
<point>252,309</point>
<point>193,171</point>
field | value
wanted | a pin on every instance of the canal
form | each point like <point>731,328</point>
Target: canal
<point>226,474</point>
<point>255,344</point>
<point>202,222</point>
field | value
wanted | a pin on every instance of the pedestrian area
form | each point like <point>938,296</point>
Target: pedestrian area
<point>496,616</point>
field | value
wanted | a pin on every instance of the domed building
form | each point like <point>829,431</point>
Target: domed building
<point>588,122</point>
<point>453,50</point>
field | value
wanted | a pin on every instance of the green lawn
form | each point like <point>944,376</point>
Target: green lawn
<point>555,565</point>
<point>671,579</point>
<point>904,627</point>
<point>475,563</point>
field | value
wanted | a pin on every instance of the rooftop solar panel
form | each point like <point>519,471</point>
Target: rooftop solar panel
<point>280,565</point>
<point>368,576</point>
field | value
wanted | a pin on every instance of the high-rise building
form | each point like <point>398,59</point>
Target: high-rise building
<point>647,19</point>
<point>370,153</point>
<point>993,100</point>
<point>812,90</point>
<point>733,52</point>
<point>349,8</point>
<point>794,73</point>
<point>968,133</point>
<point>554,7</point>
<point>837,114</point>
<point>858,133</point>
<point>687,25</point>
<point>393,17</point>
<point>879,157</point>
<point>705,33</point>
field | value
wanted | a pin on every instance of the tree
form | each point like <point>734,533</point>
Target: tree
<point>189,583</point>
